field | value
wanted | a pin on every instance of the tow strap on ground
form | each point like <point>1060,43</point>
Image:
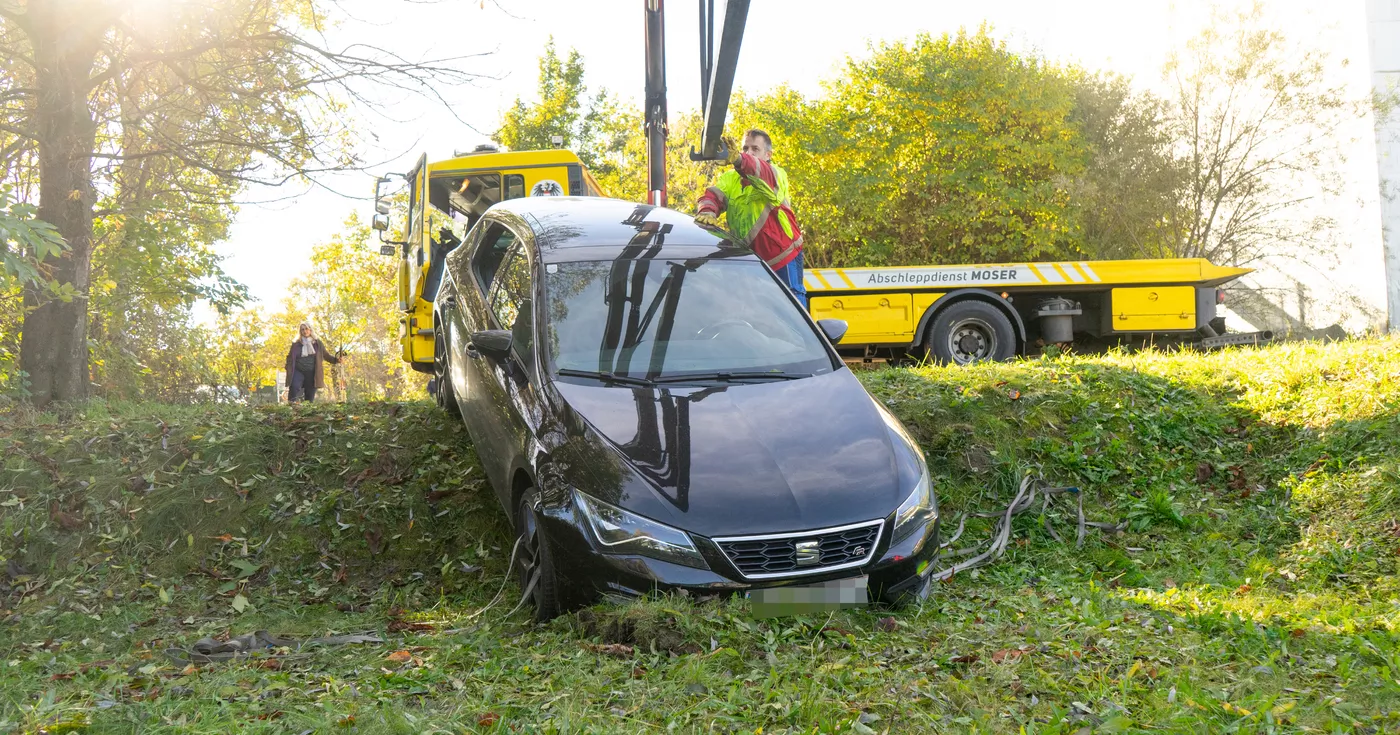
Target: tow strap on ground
<point>990,550</point>
<point>209,650</point>
<point>510,567</point>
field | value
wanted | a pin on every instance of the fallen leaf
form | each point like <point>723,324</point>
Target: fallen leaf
<point>65,520</point>
<point>223,539</point>
<point>400,657</point>
<point>488,719</point>
<point>967,658</point>
<point>398,626</point>
<point>1203,472</point>
<point>887,625</point>
<point>375,538</point>
<point>1006,654</point>
<point>1014,394</point>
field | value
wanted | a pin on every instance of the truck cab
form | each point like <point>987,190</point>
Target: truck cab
<point>445,199</point>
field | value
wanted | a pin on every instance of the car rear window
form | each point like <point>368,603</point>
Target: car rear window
<point>653,318</point>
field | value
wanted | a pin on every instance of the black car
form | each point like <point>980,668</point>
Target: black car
<point>657,412</point>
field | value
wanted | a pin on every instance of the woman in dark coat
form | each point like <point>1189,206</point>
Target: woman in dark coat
<point>305,374</point>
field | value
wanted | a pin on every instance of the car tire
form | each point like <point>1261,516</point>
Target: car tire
<point>970,331</point>
<point>445,394</point>
<point>534,554</point>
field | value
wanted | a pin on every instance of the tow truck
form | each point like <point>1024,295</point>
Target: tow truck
<point>445,200</point>
<point>951,313</point>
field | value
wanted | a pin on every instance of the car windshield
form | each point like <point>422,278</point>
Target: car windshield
<point>663,318</point>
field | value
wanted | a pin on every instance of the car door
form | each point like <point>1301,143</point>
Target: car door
<point>474,276</point>
<point>507,396</point>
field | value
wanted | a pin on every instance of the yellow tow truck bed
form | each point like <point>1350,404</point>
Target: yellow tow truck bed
<point>962,313</point>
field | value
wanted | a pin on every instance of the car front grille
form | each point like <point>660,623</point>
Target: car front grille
<point>803,552</point>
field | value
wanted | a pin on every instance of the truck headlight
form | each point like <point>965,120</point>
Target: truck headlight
<point>621,532</point>
<point>917,510</point>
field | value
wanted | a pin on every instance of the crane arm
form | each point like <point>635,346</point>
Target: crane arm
<point>717,65</point>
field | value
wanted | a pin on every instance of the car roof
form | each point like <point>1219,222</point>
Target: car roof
<point>597,228</point>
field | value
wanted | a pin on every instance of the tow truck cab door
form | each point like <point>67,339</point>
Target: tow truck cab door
<point>408,287</point>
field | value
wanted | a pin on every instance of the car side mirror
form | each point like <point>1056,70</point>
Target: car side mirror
<point>493,343</point>
<point>380,222</point>
<point>834,329</point>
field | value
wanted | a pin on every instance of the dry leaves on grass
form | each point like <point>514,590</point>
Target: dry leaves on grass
<point>616,650</point>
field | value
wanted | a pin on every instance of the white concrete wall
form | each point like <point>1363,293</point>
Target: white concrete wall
<point>1383,23</point>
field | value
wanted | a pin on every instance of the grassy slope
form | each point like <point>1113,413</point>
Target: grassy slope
<point>1256,590</point>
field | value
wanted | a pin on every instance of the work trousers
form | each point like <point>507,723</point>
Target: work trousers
<point>303,385</point>
<point>792,276</point>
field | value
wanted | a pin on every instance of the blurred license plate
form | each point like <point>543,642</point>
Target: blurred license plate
<point>838,594</point>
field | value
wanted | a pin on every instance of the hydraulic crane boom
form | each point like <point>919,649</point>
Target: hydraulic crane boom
<point>717,67</point>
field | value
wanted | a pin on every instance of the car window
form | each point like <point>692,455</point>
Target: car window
<point>512,286</point>
<point>458,258</point>
<point>661,317</point>
<point>494,243</point>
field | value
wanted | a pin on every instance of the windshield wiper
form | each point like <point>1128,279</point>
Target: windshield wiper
<point>605,377</point>
<point>732,375</point>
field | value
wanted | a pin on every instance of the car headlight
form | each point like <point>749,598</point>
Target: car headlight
<point>621,532</point>
<point>917,510</point>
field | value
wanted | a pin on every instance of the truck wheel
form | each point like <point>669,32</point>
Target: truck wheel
<point>444,393</point>
<point>970,331</point>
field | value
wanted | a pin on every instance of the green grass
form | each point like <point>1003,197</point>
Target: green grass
<point>1255,590</point>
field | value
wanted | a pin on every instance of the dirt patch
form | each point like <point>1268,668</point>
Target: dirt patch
<point>635,628</point>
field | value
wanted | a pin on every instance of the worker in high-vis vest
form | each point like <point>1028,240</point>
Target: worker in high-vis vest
<point>753,195</point>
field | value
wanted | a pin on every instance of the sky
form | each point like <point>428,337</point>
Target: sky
<point>795,42</point>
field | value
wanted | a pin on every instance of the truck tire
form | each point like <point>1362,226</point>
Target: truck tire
<point>970,331</point>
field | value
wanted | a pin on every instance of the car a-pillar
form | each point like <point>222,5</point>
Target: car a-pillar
<point>971,326</point>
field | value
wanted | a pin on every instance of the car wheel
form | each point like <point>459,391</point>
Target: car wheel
<point>533,559</point>
<point>444,393</point>
<point>970,331</point>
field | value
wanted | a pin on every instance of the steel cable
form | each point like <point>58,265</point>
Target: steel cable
<point>990,550</point>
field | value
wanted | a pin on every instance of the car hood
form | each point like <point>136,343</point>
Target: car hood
<point>743,458</point>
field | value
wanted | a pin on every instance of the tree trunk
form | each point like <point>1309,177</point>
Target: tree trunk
<point>53,348</point>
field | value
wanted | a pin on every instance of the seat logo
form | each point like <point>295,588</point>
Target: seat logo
<point>809,553</point>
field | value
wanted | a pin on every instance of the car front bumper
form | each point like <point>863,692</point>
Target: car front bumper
<point>896,572</point>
